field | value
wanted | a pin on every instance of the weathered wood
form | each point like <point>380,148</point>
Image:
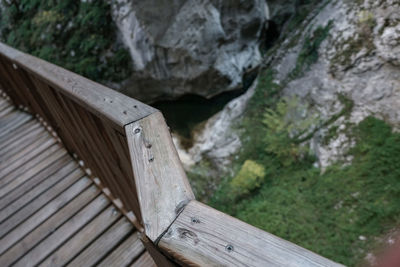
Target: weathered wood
<point>81,239</point>
<point>128,146</point>
<point>45,247</point>
<point>125,253</point>
<point>39,202</point>
<point>155,253</point>
<point>204,236</point>
<point>30,172</point>
<point>144,260</point>
<point>7,176</point>
<point>103,244</point>
<point>24,227</point>
<point>33,188</point>
<point>45,234</point>
<point>19,133</point>
<point>102,101</point>
<point>161,182</point>
<point>14,123</point>
<point>26,153</point>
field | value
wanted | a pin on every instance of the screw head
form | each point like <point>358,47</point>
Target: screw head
<point>137,130</point>
<point>229,248</point>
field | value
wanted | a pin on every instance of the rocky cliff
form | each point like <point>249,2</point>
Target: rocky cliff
<point>341,58</point>
<point>189,46</point>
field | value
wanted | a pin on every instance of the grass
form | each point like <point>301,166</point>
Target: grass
<point>328,213</point>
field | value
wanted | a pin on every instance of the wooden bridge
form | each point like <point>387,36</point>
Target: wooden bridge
<point>89,177</point>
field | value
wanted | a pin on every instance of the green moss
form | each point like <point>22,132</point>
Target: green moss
<point>79,36</point>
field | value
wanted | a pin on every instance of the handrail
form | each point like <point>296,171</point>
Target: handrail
<point>127,145</point>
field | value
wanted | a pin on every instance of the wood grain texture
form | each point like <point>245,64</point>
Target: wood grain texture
<point>96,139</point>
<point>204,236</point>
<point>83,238</point>
<point>21,228</point>
<point>49,232</point>
<point>125,253</point>
<point>104,244</point>
<point>155,253</point>
<point>161,182</point>
<point>144,260</point>
<point>34,187</point>
<point>100,100</point>
<point>56,238</point>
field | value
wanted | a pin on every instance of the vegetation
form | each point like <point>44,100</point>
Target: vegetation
<point>77,35</point>
<point>353,45</point>
<point>309,52</point>
<point>338,213</point>
<point>250,177</point>
<point>285,127</point>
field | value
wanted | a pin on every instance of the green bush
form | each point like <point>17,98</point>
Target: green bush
<point>286,124</point>
<point>250,177</point>
<point>327,213</point>
<point>77,35</point>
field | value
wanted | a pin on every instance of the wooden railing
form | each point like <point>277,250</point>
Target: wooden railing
<point>127,145</point>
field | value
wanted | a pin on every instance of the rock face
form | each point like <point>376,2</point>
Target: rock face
<point>189,46</point>
<point>358,60</point>
<point>217,141</point>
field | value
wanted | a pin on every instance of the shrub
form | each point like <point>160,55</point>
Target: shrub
<point>250,177</point>
<point>286,124</point>
<point>77,35</point>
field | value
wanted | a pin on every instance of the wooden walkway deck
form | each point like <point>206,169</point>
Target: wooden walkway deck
<point>51,213</point>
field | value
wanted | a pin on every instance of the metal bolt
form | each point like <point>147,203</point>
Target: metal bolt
<point>137,130</point>
<point>195,220</point>
<point>229,248</point>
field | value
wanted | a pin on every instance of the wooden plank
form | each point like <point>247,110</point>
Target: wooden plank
<point>20,230</point>
<point>21,143</point>
<point>18,133</point>
<point>98,99</point>
<point>89,130</point>
<point>25,154</point>
<point>161,183</point>
<point>144,260</point>
<point>125,253</point>
<point>48,235</point>
<point>204,236</point>
<point>13,124</point>
<point>4,112</point>
<point>30,167</point>
<point>4,104</point>
<point>35,180</point>
<point>39,202</point>
<point>83,238</point>
<point>42,250</point>
<point>104,244</point>
<point>113,174</point>
<point>23,177</point>
<point>12,83</point>
<point>36,186</point>
<point>155,253</point>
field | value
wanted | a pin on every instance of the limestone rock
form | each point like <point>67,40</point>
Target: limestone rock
<point>178,47</point>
